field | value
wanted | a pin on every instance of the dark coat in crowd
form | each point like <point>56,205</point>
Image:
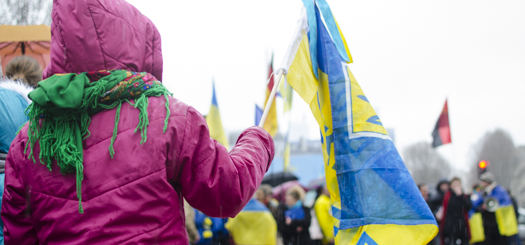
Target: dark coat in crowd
<point>454,225</point>
<point>290,233</point>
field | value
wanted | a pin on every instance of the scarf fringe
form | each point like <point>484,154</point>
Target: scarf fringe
<point>54,132</point>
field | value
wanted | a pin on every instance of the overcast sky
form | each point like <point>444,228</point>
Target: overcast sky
<point>409,56</point>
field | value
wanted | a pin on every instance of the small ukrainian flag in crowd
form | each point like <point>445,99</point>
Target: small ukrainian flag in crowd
<point>270,125</point>
<point>287,93</point>
<point>502,208</point>
<point>253,225</point>
<point>213,119</point>
<point>374,198</point>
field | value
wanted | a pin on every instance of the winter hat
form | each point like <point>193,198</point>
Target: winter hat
<point>488,177</point>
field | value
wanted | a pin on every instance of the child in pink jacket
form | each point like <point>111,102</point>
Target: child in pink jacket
<point>108,155</point>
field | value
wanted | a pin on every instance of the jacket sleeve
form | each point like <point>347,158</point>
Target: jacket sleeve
<point>18,223</point>
<point>214,181</point>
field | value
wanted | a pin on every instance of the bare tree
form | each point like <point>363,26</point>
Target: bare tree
<point>25,12</point>
<point>425,164</point>
<point>498,148</point>
<point>518,182</point>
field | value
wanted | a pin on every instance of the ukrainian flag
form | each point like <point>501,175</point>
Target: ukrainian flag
<point>253,225</point>
<point>213,119</point>
<point>286,154</point>
<point>286,90</point>
<point>505,215</point>
<point>270,125</point>
<point>477,232</point>
<point>374,198</point>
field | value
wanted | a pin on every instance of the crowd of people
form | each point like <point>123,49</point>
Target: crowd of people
<point>99,152</point>
<point>454,211</point>
<point>265,220</point>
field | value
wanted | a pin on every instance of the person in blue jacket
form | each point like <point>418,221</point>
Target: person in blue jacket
<point>13,102</point>
<point>211,230</point>
<point>294,218</point>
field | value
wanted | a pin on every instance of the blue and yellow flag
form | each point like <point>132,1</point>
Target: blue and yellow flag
<point>477,232</point>
<point>286,153</point>
<point>213,119</point>
<point>505,214</point>
<point>374,198</point>
<point>286,92</point>
<point>270,125</point>
<point>253,225</point>
<point>258,114</point>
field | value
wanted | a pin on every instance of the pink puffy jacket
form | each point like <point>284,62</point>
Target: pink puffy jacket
<point>136,197</point>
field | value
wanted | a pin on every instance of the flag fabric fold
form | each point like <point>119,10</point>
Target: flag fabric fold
<point>374,198</point>
<point>213,119</point>
<point>441,133</point>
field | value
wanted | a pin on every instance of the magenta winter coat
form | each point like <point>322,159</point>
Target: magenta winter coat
<point>135,198</point>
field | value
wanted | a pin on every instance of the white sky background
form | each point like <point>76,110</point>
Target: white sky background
<point>409,56</point>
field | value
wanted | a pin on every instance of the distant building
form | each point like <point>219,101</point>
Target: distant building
<point>304,146</point>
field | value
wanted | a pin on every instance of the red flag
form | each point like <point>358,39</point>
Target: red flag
<point>441,132</point>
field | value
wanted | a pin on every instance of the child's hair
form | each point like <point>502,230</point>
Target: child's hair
<point>296,192</point>
<point>24,68</point>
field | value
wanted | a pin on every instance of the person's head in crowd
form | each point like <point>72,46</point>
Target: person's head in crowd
<point>325,190</point>
<point>264,194</point>
<point>293,195</point>
<point>487,179</point>
<point>423,188</point>
<point>25,69</point>
<point>442,186</point>
<point>455,183</point>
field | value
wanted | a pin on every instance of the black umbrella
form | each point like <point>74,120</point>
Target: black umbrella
<point>275,179</point>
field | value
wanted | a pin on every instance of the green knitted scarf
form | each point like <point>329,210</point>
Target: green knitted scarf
<point>59,116</point>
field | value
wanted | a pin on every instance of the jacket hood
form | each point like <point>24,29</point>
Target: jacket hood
<point>19,87</point>
<point>93,35</point>
<point>441,181</point>
<point>13,102</point>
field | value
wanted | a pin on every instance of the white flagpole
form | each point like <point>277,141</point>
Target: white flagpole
<point>272,96</point>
